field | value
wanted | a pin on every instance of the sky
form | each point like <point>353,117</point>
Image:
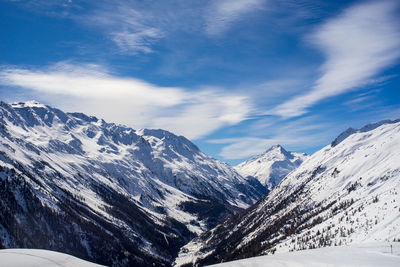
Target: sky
<point>233,76</point>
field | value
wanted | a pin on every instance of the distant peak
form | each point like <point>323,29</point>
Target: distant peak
<point>279,149</point>
<point>31,103</point>
<point>365,128</point>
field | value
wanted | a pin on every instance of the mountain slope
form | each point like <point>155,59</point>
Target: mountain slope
<point>107,193</point>
<point>345,193</point>
<point>271,166</point>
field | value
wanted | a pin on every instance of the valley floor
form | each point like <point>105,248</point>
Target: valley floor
<point>372,254</point>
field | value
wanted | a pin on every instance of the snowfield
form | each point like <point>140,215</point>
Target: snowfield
<point>40,258</point>
<point>373,254</point>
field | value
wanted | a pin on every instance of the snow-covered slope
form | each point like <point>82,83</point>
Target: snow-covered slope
<point>105,192</point>
<point>40,258</point>
<point>366,255</point>
<point>348,192</point>
<point>271,166</point>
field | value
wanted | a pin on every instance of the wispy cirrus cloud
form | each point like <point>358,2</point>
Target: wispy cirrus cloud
<point>243,147</point>
<point>205,112</point>
<point>134,42</point>
<point>222,13</point>
<point>358,44</point>
<point>311,131</point>
<point>135,27</point>
<point>130,28</point>
<point>92,89</point>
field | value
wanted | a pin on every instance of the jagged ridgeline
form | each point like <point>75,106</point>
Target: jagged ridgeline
<point>107,193</point>
<point>348,192</point>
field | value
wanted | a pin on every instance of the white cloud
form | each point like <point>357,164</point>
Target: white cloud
<point>134,42</point>
<point>91,82</point>
<point>303,133</point>
<point>358,45</point>
<point>91,89</point>
<point>206,113</point>
<point>222,13</point>
<point>243,147</point>
<point>129,28</point>
<point>135,26</point>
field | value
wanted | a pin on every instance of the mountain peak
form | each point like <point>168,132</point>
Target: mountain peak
<point>271,166</point>
<point>30,103</point>
<point>276,146</point>
<point>280,149</point>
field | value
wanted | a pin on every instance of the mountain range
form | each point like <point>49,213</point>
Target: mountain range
<point>117,196</point>
<point>346,193</point>
<point>108,193</point>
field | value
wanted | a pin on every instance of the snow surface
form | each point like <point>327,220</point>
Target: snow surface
<point>366,255</point>
<point>271,166</point>
<point>40,258</point>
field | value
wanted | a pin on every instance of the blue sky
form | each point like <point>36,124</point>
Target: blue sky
<point>234,76</point>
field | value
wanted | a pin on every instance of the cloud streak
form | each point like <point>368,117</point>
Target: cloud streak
<point>128,27</point>
<point>298,134</point>
<point>135,42</point>
<point>223,13</point>
<point>358,45</point>
<point>92,89</point>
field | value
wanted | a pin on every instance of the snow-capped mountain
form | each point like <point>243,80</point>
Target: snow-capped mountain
<point>107,193</point>
<point>346,193</point>
<point>271,166</point>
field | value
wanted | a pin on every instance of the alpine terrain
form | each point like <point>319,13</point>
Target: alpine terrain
<point>346,193</point>
<point>271,166</point>
<point>107,193</point>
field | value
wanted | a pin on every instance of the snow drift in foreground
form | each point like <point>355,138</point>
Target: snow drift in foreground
<point>366,255</point>
<point>271,166</point>
<point>39,257</point>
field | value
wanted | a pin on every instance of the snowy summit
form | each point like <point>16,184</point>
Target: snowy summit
<point>271,166</point>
